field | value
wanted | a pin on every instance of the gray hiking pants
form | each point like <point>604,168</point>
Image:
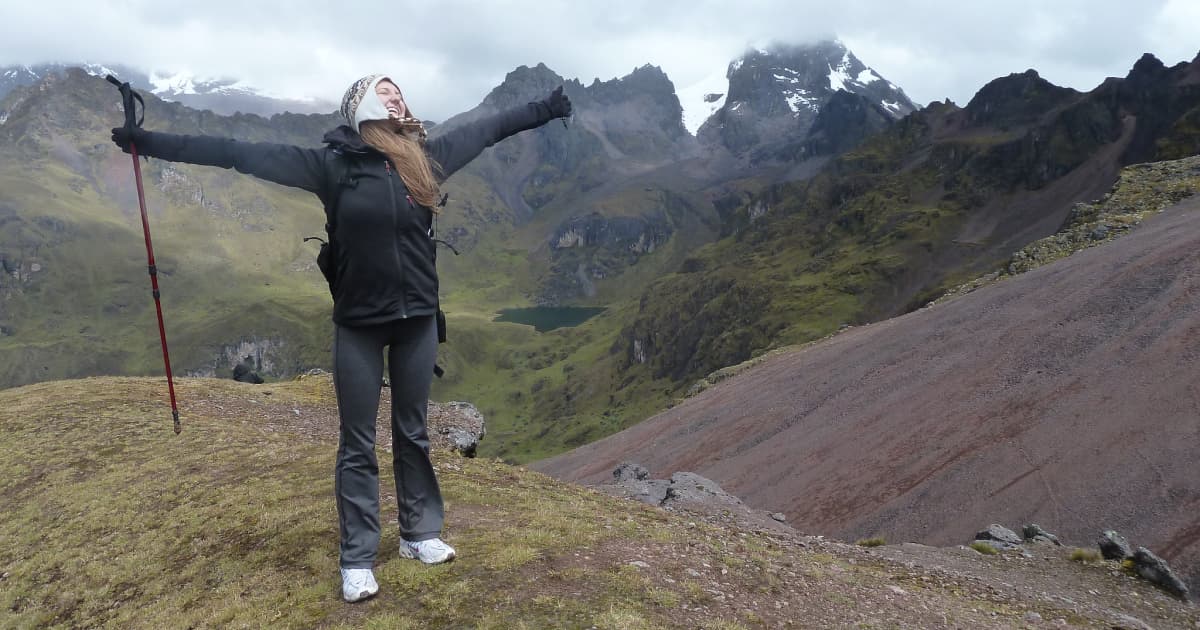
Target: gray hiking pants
<point>357,374</point>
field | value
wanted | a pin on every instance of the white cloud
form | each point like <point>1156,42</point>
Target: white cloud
<point>450,53</point>
<point>1174,29</point>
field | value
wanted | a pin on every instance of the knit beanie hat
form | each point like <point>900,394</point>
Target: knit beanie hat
<point>360,103</point>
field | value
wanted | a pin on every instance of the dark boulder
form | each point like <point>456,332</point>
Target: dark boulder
<point>633,482</point>
<point>1000,534</point>
<point>244,372</point>
<point>629,471</point>
<point>690,487</point>
<point>1156,570</point>
<point>1114,546</point>
<point>456,426</point>
<point>1034,533</point>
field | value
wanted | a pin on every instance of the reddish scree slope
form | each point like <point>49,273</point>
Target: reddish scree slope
<point>1068,396</point>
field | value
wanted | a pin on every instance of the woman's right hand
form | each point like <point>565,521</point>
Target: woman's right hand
<point>124,136</point>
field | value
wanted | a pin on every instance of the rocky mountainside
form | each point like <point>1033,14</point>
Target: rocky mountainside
<point>629,179</point>
<point>940,197</point>
<point>623,127</point>
<point>583,195</point>
<point>222,96</point>
<point>775,96</point>
<point>700,258</point>
<point>1061,396</point>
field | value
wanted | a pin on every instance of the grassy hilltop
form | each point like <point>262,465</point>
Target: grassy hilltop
<point>112,521</point>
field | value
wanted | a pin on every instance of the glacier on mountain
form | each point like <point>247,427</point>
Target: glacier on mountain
<point>178,83</point>
<point>703,99</point>
<point>839,77</point>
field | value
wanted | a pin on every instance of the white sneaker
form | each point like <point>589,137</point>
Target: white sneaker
<point>432,551</point>
<point>358,584</point>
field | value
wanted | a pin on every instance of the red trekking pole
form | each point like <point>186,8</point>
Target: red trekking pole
<point>132,121</point>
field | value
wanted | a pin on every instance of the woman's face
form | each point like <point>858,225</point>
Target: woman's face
<point>392,99</point>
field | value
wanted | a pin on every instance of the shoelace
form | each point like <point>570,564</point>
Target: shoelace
<point>358,580</point>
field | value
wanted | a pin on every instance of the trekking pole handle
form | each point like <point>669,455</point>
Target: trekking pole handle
<point>127,102</point>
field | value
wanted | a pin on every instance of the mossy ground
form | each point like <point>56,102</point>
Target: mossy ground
<point>112,521</point>
<point>232,523</point>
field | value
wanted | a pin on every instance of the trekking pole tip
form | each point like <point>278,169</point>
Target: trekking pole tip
<point>175,414</point>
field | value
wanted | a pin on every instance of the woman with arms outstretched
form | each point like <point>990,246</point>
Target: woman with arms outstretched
<point>378,178</point>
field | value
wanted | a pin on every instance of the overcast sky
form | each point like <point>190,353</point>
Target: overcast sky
<point>448,54</point>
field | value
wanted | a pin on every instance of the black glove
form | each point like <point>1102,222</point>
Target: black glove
<point>558,103</point>
<point>123,136</point>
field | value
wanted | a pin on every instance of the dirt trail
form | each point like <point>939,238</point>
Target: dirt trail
<point>1068,396</point>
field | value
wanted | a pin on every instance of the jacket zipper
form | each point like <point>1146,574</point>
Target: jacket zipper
<point>387,166</point>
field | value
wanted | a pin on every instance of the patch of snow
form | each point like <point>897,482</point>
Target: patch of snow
<point>19,70</point>
<point>736,106</point>
<point>783,79</point>
<point>892,106</point>
<point>698,102</point>
<point>237,87</point>
<point>180,83</point>
<point>800,98</point>
<point>867,77</point>
<point>3,117</point>
<point>838,79</point>
<point>98,70</point>
<point>736,65</point>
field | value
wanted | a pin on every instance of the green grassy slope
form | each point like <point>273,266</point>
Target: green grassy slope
<point>924,206</point>
<point>233,269</point>
<point>76,300</point>
<point>112,521</point>
<point>233,524</point>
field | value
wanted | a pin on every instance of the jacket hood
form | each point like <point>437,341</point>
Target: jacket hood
<point>346,139</point>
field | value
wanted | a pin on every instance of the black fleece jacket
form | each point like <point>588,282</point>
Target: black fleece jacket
<point>383,251</point>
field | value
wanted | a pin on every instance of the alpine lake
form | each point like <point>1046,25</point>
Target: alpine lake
<point>546,318</point>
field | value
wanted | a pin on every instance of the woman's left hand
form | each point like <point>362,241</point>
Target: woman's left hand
<point>558,103</point>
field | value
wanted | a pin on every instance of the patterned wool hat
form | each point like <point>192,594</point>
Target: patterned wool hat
<point>357,108</point>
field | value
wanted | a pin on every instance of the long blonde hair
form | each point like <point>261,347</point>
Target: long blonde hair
<point>408,157</point>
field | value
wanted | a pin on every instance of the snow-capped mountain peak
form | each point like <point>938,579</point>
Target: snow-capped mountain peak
<point>222,96</point>
<point>18,73</point>
<point>778,91</point>
<point>100,70</point>
<point>166,85</point>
